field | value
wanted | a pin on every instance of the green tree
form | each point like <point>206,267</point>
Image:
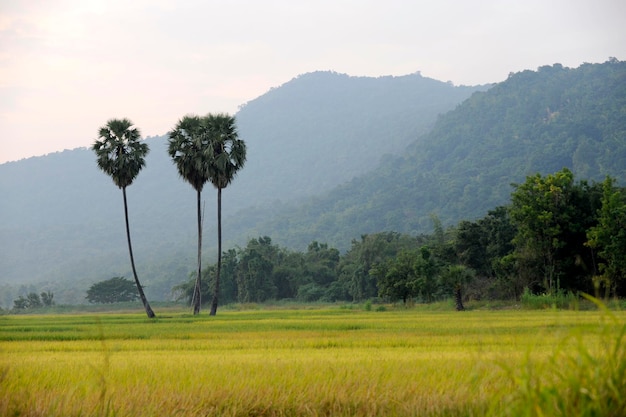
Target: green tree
<point>121,155</point>
<point>426,270</point>
<point>552,215</point>
<point>228,285</point>
<point>114,290</point>
<point>540,212</point>
<point>319,271</point>
<point>185,290</point>
<point>373,249</point>
<point>47,298</point>
<point>255,272</point>
<point>33,300</point>
<point>397,278</point>
<point>290,275</point>
<point>482,246</point>
<point>21,303</point>
<point>227,155</point>
<point>456,276</point>
<point>189,147</point>
<point>408,274</point>
<point>608,237</point>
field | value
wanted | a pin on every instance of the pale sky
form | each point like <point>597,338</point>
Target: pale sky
<point>67,66</point>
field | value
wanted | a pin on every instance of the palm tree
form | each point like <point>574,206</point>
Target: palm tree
<point>228,157</point>
<point>188,147</point>
<point>121,155</point>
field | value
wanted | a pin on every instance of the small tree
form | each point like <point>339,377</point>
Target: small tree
<point>456,277</point>
<point>33,300</point>
<point>47,298</point>
<point>20,303</point>
<point>398,277</point>
<point>114,290</point>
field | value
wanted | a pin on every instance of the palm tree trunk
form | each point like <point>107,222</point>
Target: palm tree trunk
<point>219,252</point>
<point>458,298</point>
<point>197,299</point>
<point>144,300</point>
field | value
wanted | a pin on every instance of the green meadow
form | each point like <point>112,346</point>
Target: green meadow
<point>323,361</point>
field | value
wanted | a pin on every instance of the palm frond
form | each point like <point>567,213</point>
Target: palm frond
<point>186,147</point>
<point>120,152</point>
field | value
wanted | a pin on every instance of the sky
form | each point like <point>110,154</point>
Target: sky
<point>68,66</point>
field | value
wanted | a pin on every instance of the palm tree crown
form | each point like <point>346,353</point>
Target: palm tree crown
<point>188,147</point>
<point>229,152</point>
<point>120,154</point>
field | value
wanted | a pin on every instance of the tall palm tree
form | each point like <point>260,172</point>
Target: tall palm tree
<point>121,155</point>
<point>188,146</point>
<point>228,156</point>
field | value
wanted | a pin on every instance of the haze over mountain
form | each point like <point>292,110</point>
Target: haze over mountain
<point>331,157</point>
<point>62,218</point>
<point>535,121</point>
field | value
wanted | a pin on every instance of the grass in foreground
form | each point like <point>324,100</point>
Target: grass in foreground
<point>322,362</point>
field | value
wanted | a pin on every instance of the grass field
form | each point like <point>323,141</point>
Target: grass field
<point>314,362</point>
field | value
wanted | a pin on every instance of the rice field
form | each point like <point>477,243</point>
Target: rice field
<point>314,362</point>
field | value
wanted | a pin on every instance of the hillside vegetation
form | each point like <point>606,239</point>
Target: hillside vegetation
<point>331,158</point>
<point>534,122</point>
<point>62,218</point>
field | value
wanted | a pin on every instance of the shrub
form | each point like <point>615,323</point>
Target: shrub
<point>560,299</point>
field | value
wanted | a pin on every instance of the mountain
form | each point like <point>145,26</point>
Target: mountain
<point>62,218</point>
<point>331,157</point>
<point>322,129</point>
<point>534,122</point>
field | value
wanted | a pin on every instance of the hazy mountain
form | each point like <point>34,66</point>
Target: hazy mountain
<point>321,129</point>
<point>62,218</point>
<point>331,157</point>
<point>535,121</point>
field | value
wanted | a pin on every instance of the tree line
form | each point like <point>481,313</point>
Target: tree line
<point>556,235</point>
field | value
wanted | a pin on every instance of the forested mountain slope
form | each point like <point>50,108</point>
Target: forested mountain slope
<point>62,218</point>
<point>535,121</point>
<point>321,129</point>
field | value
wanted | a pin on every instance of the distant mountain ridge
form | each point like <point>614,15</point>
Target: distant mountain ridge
<point>323,165</point>
<point>321,129</point>
<point>535,121</point>
<point>62,218</point>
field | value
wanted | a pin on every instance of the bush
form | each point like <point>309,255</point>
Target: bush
<point>114,290</point>
<point>560,299</point>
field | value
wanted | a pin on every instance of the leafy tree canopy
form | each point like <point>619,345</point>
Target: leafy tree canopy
<point>114,290</point>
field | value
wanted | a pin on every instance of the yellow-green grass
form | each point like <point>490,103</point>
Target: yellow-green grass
<point>324,362</point>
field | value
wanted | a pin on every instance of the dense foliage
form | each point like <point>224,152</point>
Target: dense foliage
<point>114,290</point>
<point>540,243</point>
<point>534,122</point>
<point>310,135</point>
<point>304,137</point>
<point>34,300</point>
